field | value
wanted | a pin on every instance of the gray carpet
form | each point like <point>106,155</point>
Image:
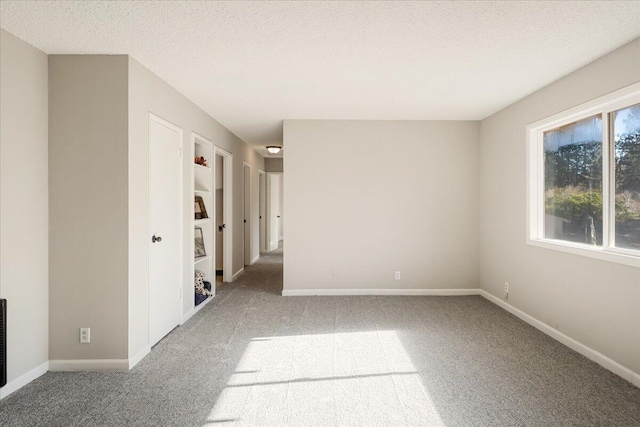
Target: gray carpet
<point>254,358</point>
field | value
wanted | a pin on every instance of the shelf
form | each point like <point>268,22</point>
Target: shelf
<point>202,304</point>
<point>199,260</point>
<point>202,179</point>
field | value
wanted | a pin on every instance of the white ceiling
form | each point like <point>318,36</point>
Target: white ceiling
<point>252,64</point>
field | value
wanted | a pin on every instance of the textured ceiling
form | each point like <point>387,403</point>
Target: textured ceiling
<point>252,64</point>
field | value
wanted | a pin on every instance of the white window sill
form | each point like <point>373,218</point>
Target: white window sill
<point>583,250</point>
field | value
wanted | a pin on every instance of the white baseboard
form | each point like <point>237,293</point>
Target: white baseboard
<point>584,350</point>
<point>188,315</point>
<point>237,273</point>
<point>23,380</point>
<point>133,361</point>
<point>89,365</point>
<point>405,292</point>
<point>253,261</point>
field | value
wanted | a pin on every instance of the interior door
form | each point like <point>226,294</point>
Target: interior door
<point>246,209</point>
<point>273,201</point>
<point>281,208</point>
<point>165,182</point>
<point>263,211</point>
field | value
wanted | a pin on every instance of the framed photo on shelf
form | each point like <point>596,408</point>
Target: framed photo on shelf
<point>198,244</point>
<point>200,208</point>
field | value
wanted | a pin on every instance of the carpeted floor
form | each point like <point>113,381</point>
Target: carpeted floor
<point>254,358</point>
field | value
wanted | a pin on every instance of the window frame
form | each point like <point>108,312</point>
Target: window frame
<point>602,106</point>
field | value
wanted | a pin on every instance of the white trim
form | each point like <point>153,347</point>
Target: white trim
<point>590,108</point>
<point>133,361</point>
<point>193,312</point>
<point>196,135</point>
<point>166,123</point>
<point>89,365</point>
<point>398,292</point>
<point>23,380</point>
<point>256,258</point>
<point>188,315</point>
<point>237,273</point>
<point>608,185</point>
<point>535,212</point>
<point>177,129</point>
<point>210,196</point>
<point>577,346</point>
<point>584,250</point>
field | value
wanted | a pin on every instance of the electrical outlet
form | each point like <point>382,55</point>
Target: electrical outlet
<point>85,335</point>
<point>397,275</point>
<point>506,290</point>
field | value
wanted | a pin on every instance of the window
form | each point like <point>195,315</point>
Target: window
<point>584,179</point>
<point>626,136</point>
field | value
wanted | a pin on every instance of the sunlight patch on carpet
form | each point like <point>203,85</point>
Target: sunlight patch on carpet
<point>352,378</point>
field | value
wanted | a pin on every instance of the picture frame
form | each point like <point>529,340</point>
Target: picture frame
<point>200,208</point>
<point>198,244</point>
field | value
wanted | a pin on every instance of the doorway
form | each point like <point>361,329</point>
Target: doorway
<point>165,227</point>
<point>223,208</point>
<point>262,210</point>
<point>275,222</point>
<point>246,211</point>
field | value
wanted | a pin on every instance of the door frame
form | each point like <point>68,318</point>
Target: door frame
<point>227,197</point>
<point>163,122</point>
<point>246,215</point>
<point>262,216</point>
<point>269,201</point>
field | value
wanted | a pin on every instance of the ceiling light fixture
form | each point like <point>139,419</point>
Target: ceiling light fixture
<point>273,149</point>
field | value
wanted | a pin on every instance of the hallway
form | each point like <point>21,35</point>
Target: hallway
<point>254,358</point>
<point>175,384</point>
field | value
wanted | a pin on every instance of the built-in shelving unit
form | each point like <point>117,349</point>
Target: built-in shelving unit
<point>201,260</point>
<point>203,185</point>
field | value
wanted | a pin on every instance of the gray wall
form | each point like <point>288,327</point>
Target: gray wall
<point>592,301</point>
<point>363,199</point>
<point>273,164</point>
<point>88,204</point>
<point>149,93</point>
<point>24,220</point>
<point>99,199</point>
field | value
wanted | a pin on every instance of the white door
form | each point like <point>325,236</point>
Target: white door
<point>263,211</point>
<point>165,205</point>
<point>246,209</point>
<point>273,202</point>
<point>281,208</point>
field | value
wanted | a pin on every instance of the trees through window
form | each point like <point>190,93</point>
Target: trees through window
<point>586,178</point>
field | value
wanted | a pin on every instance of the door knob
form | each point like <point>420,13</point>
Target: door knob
<point>155,239</point>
